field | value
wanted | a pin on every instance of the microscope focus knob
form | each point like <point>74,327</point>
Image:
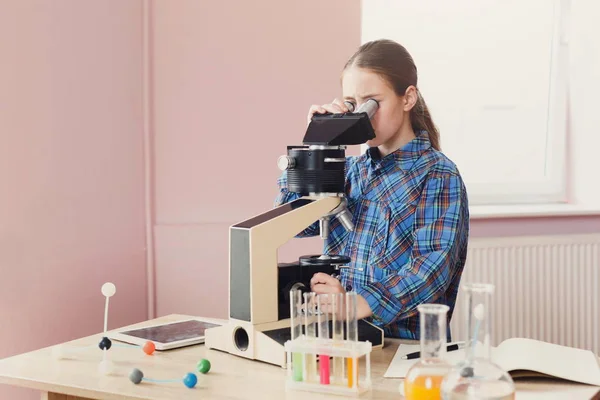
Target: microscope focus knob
<point>286,162</point>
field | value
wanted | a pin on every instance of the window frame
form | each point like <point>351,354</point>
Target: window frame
<point>553,188</point>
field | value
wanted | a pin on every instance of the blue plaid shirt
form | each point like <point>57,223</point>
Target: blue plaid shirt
<point>409,245</point>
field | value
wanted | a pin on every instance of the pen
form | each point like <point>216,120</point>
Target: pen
<point>417,354</point>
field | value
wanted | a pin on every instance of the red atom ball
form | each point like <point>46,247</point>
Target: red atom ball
<point>149,348</point>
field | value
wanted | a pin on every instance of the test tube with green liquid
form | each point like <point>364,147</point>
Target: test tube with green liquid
<point>337,315</point>
<point>310,329</point>
<point>296,332</point>
<point>352,336</point>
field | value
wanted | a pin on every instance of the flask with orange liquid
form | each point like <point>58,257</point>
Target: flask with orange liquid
<point>424,378</point>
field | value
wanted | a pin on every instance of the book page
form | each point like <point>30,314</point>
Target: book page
<point>399,367</point>
<point>568,363</point>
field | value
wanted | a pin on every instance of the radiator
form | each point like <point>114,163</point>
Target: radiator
<point>546,288</point>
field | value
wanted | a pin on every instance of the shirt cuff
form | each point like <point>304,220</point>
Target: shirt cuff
<point>383,305</point>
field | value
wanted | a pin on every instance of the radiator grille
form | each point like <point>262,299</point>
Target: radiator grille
<point>547,288</point>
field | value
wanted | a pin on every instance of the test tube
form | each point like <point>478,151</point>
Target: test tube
<point>352,336</point>
<point>323,318</point>
<point>338,335</point>
<point>310,329</point>
<point>296,332</point>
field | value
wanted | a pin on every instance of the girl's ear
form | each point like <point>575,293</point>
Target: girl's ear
<point>410,98</point>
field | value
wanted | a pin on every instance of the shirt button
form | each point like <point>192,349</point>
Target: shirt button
<point>348,288</point>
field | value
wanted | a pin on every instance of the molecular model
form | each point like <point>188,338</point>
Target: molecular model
<point>106,366</point>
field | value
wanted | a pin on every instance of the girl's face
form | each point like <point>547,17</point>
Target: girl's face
<point>360,85</point>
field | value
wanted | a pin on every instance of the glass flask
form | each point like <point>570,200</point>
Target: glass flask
<point>424,378</point>
<point>477,376</point>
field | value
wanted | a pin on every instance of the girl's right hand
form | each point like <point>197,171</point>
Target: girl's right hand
<point>337,106</point>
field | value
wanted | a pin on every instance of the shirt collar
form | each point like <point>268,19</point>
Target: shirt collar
<point>405,156</point>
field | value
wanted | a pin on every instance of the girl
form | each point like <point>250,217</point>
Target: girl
<point>408,201</point>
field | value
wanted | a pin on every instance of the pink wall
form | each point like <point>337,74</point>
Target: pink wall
<point>231,90</point>
<point>71,171</point>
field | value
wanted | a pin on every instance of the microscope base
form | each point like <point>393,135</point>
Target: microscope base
<point>265,342</point>
<point>241,338</point>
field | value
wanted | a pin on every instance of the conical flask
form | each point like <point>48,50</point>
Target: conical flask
<point>477,376</point>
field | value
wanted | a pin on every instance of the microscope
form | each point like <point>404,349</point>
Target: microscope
<point>259,286</point>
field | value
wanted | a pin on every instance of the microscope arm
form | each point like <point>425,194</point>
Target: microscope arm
<point>297,216</point>
<point>253,255</point>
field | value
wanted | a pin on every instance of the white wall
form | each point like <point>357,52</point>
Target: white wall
<point>498,77</point>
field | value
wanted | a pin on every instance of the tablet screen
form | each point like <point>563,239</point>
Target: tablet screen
<point>172,332</point>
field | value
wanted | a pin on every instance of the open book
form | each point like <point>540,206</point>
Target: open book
<point>521,358</point>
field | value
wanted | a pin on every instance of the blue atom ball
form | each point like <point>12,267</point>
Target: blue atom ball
<point>190,380</point>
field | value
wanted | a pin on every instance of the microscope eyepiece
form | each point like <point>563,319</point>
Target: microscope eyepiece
<point>370,107</point>
<point>350,106</point>
<point>286,162</point>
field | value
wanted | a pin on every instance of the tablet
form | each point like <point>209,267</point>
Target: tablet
<point>166,336</point>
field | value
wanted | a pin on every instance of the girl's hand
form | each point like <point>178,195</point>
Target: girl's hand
<point>324,283</point>
<point>337,106</point>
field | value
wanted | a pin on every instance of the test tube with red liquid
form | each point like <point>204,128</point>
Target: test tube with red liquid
<point>323,321</point>
<point>337,316</point>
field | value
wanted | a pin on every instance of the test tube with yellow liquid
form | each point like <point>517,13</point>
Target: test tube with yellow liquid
<point>424,379</point>
<point>351,336</point>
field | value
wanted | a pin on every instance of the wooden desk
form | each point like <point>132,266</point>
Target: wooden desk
<point>230,377</point>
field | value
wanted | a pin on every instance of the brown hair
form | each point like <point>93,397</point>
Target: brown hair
<point>393,62</point>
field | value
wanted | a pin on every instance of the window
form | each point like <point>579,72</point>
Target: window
<point>494,75</point>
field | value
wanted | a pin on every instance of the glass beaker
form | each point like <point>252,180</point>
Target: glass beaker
<point>478,377</point>
<point>423,380</point>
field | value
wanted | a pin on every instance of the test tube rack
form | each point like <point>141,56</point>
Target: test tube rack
<point>349,352</point>
<point>333,364</point>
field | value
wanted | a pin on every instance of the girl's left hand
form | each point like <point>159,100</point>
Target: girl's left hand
<point>324,283</point>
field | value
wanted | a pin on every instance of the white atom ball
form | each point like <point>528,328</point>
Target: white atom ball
<point>109,289</point>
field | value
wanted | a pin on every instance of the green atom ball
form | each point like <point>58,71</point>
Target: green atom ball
<point>203,366</point>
